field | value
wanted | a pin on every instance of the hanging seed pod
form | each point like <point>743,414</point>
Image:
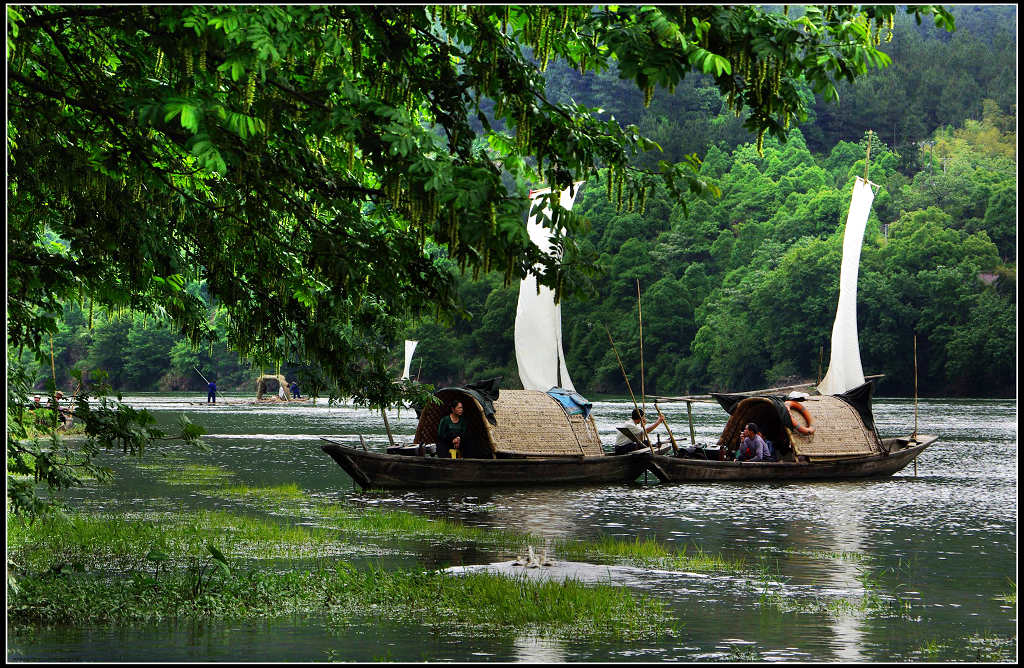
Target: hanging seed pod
<point>202,56</point>
<point>250,91</point>
<point>188,62</point>
<point>618,191</point>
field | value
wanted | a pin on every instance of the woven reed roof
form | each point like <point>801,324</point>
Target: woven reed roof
<point>528,423</point>
<point>839,430</point>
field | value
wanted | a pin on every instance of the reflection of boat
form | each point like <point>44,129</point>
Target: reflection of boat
<point>541,434</point>
<point>843,442</point>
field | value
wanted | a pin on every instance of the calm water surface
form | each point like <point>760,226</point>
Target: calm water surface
<point>944,540</point>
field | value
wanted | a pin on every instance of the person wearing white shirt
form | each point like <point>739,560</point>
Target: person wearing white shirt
<point>623,443</point>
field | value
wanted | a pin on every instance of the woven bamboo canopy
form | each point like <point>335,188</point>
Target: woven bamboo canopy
<point>261,384</point>
<point>529,423</point>
<point>839,430</point>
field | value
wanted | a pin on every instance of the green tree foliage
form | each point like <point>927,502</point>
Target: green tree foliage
<point>935,79</point>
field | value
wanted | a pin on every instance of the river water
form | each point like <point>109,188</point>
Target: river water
<point>942,539</point>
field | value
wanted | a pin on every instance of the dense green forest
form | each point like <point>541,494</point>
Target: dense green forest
<point>738,291</point>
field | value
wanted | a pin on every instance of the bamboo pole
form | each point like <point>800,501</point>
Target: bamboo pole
<point>709,398</point>
<point>689,416</point>
<point>915,389</point>
<point>640,319</point>
<point>622,368</point>
<point>387,426</point>
<point>53,366</point>
<point>867,159</point>
<point>671,438</point>
<point>626,378</point>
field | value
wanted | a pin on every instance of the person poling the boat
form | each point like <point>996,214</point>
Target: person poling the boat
<point>211,392</point>
<point>624,443</point>
<point>450,432</point>
<point>752,447</point>
<point>295,390</point>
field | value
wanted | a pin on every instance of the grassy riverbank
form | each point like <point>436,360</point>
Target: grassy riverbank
<point>105,569</point>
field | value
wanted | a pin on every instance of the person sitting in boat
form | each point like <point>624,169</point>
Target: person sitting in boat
<point>451,432</point>
<point>752,447</point>
<point>624,443</point>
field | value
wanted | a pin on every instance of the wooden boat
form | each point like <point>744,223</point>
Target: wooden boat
<point>844,443</point>
<point>525,437</point>
<point>899,452</point>
<point>375,470</point>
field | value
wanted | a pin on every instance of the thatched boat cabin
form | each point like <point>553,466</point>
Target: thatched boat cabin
<point>518,423</point>
<point>843,425</point>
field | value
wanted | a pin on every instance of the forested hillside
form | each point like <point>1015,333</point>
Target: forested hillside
<point>739,292</point>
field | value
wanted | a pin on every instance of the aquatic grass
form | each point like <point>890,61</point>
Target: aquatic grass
<point>856,557</point>
<point>489,603</point>
<point>277,493</point>
<point>648,552</point>
<point>196,474</point>
<point>121,542</point>
<point>873,602</point>
<point>1009,597</point>
<point>977,647</point>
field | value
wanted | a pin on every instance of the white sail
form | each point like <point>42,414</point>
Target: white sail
<point>538,330</point>
<point>410,346</point>
<point>844,368</point>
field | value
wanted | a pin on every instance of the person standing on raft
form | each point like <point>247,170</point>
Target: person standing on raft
<point>211,393</point>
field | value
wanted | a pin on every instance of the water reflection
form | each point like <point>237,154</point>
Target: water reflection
<point>531,648</point>
<point>847,537</point>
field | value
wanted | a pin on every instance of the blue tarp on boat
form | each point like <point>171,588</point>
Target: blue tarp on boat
<point>572,402</point>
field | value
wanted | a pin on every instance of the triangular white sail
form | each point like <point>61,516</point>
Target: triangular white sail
<point>410,346</point>
<point>538,330</point>
<point>844,368</point>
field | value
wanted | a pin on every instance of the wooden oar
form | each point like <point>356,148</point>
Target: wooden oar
<point>671,438</point>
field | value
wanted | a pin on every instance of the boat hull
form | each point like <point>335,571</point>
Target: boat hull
<point>376,470</point>
<point>679,469</point>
